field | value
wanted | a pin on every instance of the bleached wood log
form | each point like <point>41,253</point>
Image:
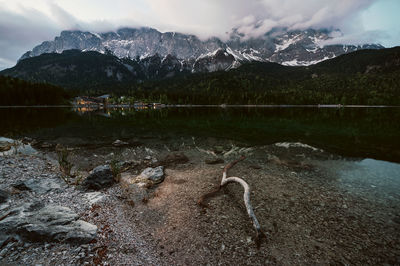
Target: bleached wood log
<point>246,197</point>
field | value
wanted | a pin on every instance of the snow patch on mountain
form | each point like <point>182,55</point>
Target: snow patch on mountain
<point>295,62</point>
<point>285,43</point>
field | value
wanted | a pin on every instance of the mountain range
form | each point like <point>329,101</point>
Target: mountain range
<point>135,55</point>
<point>369,76</point>
<point>189,53</point>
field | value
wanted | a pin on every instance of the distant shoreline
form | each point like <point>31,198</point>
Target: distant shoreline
<point>209,105</point>
<point>290,106</point>
<point>34,106</point>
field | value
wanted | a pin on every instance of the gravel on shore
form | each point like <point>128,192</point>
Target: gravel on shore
<point>307,217</point>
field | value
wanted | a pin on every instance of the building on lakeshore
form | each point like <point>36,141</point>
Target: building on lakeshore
<point>100,101</point>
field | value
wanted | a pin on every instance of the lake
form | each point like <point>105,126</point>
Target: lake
<point>352,132</point>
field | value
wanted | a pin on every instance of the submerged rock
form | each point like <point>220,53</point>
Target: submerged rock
<point>42,144</point>
<point>214,161</point>
<point>125,165</point>
<point>100,177</point>
<point>52,223</point>
<point>218,149</point>
<point>47,145</point>
<point>119,143</point>
<point>175,158</point>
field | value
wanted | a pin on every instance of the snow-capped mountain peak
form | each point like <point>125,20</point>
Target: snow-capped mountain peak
<point>284,47</point>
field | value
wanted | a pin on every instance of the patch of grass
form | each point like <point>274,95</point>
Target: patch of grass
<point>65,164</point>
<point>116,168</point>
<point>79,178</point>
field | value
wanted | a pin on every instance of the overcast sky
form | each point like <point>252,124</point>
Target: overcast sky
<point>26,23</point>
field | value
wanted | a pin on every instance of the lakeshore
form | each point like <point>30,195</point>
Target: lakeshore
<point>310,213</point>
<point>324,185</point>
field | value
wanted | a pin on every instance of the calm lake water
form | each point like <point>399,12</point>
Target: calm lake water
<point>354,132</point>
<point>367,138</point>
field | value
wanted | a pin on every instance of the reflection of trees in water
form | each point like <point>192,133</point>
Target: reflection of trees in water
<point>17,121</point>
<point>346,131</point>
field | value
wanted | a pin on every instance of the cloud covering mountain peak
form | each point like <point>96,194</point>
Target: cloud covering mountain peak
<point>25,23</point>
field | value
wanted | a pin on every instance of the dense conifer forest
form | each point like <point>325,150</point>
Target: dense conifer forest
<point>18,92</point>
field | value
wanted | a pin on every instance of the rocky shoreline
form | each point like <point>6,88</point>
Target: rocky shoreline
<point>135,204</point>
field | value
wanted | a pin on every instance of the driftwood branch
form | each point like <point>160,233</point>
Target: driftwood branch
<point>246,197</point>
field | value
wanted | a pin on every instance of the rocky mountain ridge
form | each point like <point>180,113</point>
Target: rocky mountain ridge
<point>74,69</point>
<point>192,54</point>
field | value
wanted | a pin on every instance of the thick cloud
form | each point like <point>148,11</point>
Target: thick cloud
<point>18,31</point>
<point>366,37</point>
<point>25,27</point>
<point>254,18</point>
<point>25,23</point>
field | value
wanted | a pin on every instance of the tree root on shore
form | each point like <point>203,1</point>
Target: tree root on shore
<point>246,197</point>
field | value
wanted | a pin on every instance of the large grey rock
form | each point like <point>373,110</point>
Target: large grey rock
<point>38,223</point>
<point>134,188</point>
<point>100,177</point>
<point>41,185</point>
<point>155,175</point>
<point>148,177</point>
<point>11,146</point>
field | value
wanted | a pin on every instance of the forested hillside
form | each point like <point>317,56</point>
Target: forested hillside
<point>364,77</point>
<point>18,92</point>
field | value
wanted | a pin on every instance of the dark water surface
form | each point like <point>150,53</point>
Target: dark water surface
<point>354,132</point>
